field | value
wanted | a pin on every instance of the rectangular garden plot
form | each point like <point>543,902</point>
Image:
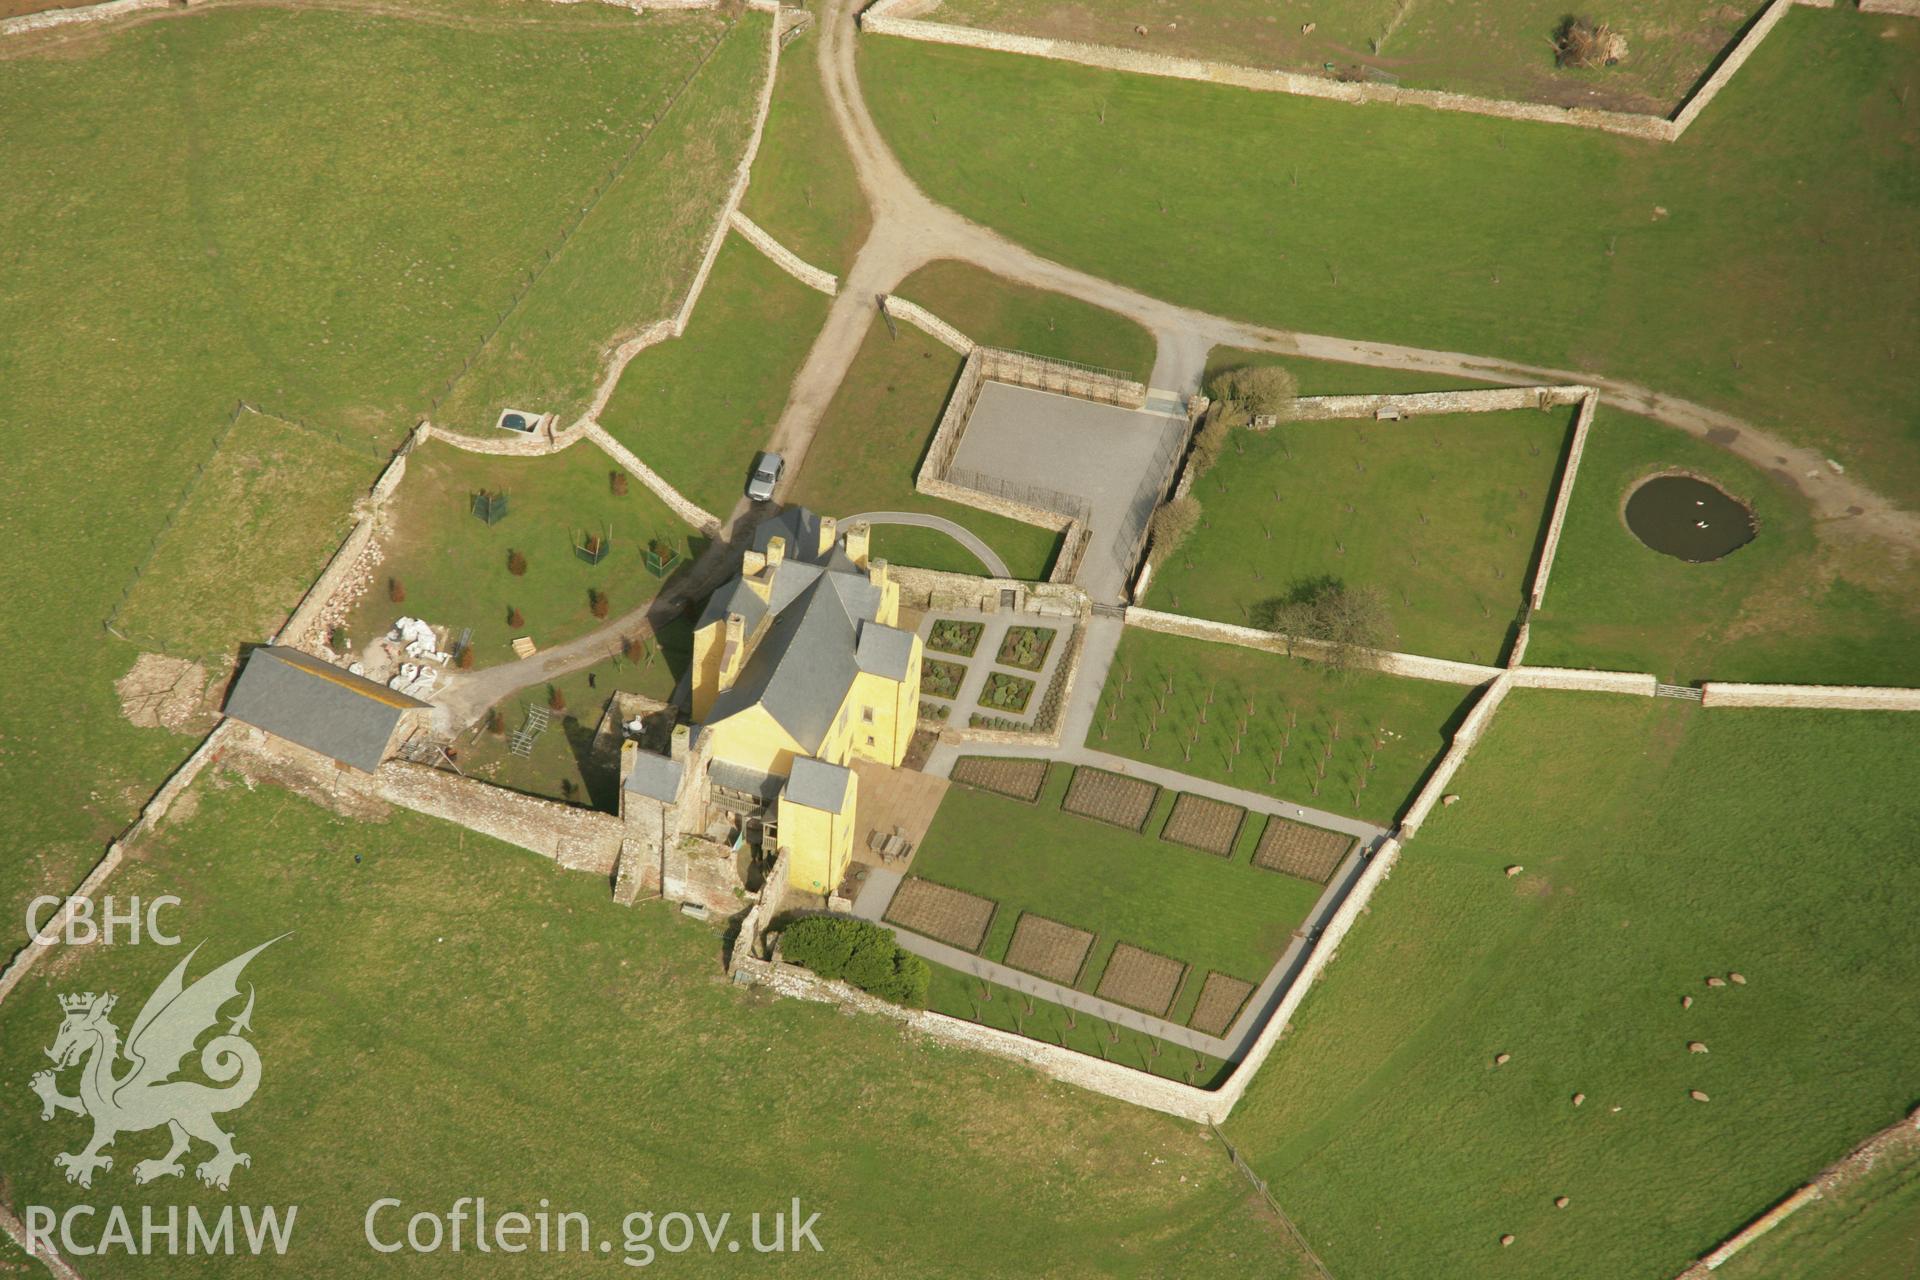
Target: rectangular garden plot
<point>1296,849</point>
<point>1142,980</point>
<point>941,679</point>
<point>1219,1004</point>
<point>1211,826</point>
<point>1026,647</point>
<point>950,635</point>
<point>1049,949</point>
<point>1125,802</point>
<point>1019,779</point>
<point>947,915</point>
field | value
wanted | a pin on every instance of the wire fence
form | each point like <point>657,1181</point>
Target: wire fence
<point>1260,1184</point>
<point>1130,538</point>
<point>1068,377</point>
<point>1069,505</point>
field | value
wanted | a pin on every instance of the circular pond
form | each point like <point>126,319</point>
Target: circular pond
<point>1689,518</point>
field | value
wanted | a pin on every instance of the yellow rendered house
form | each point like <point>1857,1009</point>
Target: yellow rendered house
<point>799,669</point>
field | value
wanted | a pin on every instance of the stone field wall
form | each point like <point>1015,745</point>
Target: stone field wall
<point>1833,697</point>
<point>1415,404</point>
<point>897,18</point>
<point>928,323</point>
<point>1637,683</point>
<point>1582,424</point>
<point>784,258</point>
<point>1399,664</point>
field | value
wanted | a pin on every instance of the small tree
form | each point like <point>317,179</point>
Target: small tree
<point>466,658</point>
<point>597,601</point>
<point>1349,621</point>
<point>496,722</point>
<point>515,618</point>
<point>337,640</point>
<point>617,481</point>
<point>1170,526</point>
<point>396,592</point>
<point>516,564</point>
<point>556,700</point>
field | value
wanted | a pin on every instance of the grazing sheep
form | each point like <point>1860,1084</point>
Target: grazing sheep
<point>1694,1046</point>
<point>1501,1059</point>
<point>1739,979</point>
<point>1579,1098</point>
<point>1698,1096</point>
<point>1686,1002</point>
<point>1560,1202</point>
<point>1716,982</point>
<point>1514,870</point>
<point>1506,1239</point>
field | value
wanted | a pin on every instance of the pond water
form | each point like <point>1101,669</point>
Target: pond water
<point>1686,517</point>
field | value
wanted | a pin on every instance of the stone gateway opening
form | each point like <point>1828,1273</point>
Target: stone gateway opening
<point>1689,518</point>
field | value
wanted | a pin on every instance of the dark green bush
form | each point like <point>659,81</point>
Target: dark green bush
<point>863,953</point>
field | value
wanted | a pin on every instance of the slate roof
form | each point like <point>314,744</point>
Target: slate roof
<point>296,696</point>
<point>655,775</point>
<point>819,785</point>
<point>802,667</point>
<point>883,651</point>
<point>801,528</point>
<point>737,777</point>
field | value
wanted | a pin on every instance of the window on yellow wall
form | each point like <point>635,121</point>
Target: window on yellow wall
<point>866,716</point>
<point>869,739</point>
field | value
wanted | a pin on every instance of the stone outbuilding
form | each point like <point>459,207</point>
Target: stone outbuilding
<point>307,701</point>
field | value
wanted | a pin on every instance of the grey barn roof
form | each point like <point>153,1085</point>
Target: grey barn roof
<point>296,696</point>
<point>738,777</point>
<point>819,785</point>
<point>656,776</point>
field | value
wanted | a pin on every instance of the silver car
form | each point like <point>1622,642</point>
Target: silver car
<point>766,474</point>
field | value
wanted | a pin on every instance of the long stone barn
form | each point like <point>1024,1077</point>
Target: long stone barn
<point>350,720</point>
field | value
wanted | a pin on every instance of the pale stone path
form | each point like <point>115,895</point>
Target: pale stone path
<point>996,567</point>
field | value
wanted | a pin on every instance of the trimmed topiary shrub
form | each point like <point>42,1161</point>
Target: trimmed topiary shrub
<point>863,953</point>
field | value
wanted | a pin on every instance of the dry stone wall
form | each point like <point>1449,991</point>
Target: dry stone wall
<point>932,325</point>
<point>1413,404</point>
<point>1115,1081</point>
<point>1465,738</point>
<point>784,258</point>
<point>577,839</point>
<point>1399,664</point>
<point>1582,424</point>
<point>1637,683</point>
<point>1832,697</point>
<point>899,18</point>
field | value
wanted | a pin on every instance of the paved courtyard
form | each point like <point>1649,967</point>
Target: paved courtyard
<point>1116,459</point>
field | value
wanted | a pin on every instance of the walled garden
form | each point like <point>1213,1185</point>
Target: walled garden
<point>1440,514</point>
<point>530,573</point>
<point>1356,744</point>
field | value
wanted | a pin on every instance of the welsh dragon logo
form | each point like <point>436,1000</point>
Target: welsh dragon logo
<point>145,1095</point>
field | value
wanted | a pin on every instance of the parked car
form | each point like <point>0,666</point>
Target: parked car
<point>766,474</point>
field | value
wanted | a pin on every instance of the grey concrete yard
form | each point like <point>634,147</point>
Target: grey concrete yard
<point>1116,459</point>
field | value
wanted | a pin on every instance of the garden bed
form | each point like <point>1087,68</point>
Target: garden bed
<point>945,915</point>
<point>1018,779</point>
<point>1296,849</point>
<point>1026,647</point>
<point>1125,802</point>
<point>1049,949</point>
<point>1211,826</point>
<point>1005,692</point>
<point>941,679</point>
<point>950,635</point>
<point>1219,1004</point>
<point>1142,979</point>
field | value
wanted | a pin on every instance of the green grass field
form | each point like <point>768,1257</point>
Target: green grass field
<point>1792,605</point>
<point>631,259</point>
<point>869,447</point>
<point>1441,514</point>
<point>430,1027</point>
<point>1334,377</point>
<point>1673,265</point>
<point>1213,913</point>
<point>964,996</point>
<point>804,190</point>
<point>1401,725</point>
<point>696,409</point>
<point>272,496</point>
<point>996,312</point>
<point>1866,1230</point>
<point>1661,844</point>
<point>453,566</point>
<point>1492,49</point>
<point>180,236</point>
